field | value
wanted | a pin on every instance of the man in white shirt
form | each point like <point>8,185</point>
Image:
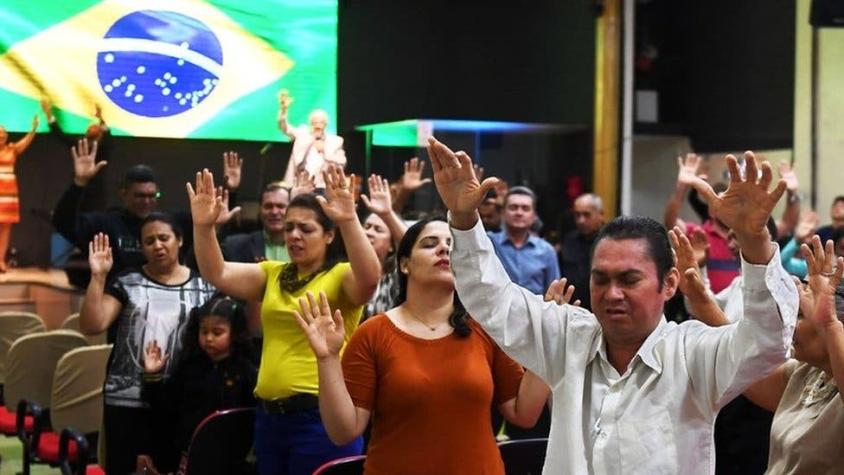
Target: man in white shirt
<point>632,392</point>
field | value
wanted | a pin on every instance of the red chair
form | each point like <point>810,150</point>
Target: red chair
<point>344,466</point>
<point>523,457</point>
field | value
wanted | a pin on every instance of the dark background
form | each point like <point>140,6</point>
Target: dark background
<point>725,77</point>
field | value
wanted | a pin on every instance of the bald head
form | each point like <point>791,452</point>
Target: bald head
<point>588,214</point>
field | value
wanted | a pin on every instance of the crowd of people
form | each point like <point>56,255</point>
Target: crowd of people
<point>352,330</point>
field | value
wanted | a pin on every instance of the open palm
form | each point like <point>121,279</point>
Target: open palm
<point>824,276</point>
<point>379,200</point>
<point>340,205</point>
<point>154,359</point>
<point>99,255</point>
<point>455,178</point>
<point>746,204</point>
<point>324,330</point>
<point>205,205</point>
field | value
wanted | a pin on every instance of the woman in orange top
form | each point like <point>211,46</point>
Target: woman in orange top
<point>425,372</point>
<point>9,207</point>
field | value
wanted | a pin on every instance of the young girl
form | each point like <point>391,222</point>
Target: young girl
<point>216,370</point>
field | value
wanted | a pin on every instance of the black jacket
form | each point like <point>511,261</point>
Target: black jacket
<point>245,247</point>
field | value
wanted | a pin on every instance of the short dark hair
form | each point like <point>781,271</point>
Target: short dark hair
<point>229,309</point>
<point>521,190</point>
<point>459,319</point>
<point>138,174</point>
<point>640,227</point>
<point>837,235</point>
<point>167,218</point>
<point>274,186</point>
<point>837,199</point>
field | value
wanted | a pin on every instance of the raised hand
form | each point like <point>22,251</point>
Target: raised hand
<point>808,223</point>
<point>99,255</point>
<point>205,205</point>
<point>98,113</point>
<point>340,205</point>
<point>84,162</point>
<point>225,215</point>
<point>232,167</point>
<point>284,100</point>
<point>688,166</point>
<point>324,330</point>
<point>455,179</point>
<point>411,179</point>
<point>304,184</point>
<point>807,297</point>
<point>560,292</point>
<point>691,282</point>
<point>379,200</point>
<point>35,122</point>
<point>787,173</point>
<point>700,246</point>
<point>746,205</point>
<point>154,360</point>
<point>824,276</point>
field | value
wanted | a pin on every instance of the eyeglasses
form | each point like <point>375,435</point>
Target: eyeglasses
<point>147,196</point>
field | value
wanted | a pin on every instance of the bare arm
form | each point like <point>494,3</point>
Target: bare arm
<point>687,172</point>
<point>767,393</point>
<point>698,297</point>
<point>284,101</point>
<point>361,282</point>
<point>525,408</point>
<point>791,213</point>
<point>240,280</point>
<point>98,310</point>
<point>21,145</point>
<point>409,182</point>
<point>326,334</point>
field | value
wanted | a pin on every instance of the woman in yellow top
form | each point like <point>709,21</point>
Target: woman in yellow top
<point>289,435</point>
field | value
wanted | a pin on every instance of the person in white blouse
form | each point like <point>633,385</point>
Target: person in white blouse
<point>632,392</point>
<point>314,149</point>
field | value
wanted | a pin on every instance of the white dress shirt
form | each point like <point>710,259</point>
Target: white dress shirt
<point>657,417</point>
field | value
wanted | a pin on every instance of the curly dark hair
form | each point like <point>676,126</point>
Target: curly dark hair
<point>459,319</point>
<point>229,309</point>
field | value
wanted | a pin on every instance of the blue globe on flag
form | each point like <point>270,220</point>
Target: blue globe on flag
<point>159,63</point>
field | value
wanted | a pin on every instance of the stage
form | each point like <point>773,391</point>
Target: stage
<point>46,292</point>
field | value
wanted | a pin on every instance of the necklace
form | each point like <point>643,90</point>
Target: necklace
<point>423,322</point>
<point>290,280</point>
<point>819,387</point>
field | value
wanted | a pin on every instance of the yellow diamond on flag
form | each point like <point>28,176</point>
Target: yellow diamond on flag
<point>157,68</point>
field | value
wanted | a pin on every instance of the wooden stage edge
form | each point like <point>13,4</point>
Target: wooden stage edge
<point>46,292</point>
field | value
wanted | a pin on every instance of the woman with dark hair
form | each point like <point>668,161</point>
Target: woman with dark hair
<point>217,370</point>
<point>424,372</point>
<point>139,306</point>
<point>384,229</point>
<point>289,435</point>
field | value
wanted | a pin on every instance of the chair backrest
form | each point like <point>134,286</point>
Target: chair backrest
<point>14,325</point>
<point>72,323</point>
<point>523,457</point>
<point>343,466</point>
<point>221,442</point>
<point>31,363</point>
<point>77,396</point>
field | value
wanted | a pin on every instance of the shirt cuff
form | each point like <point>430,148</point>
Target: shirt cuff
<point>468,239</point>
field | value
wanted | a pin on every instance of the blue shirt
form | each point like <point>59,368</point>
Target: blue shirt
<point>533,266</point>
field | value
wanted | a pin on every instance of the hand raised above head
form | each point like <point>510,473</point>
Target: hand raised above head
<point>206,205</point>
<point>746,205</point>
<point>339,200</point>
<point>99,255</point>
<point>824,276</point>
<point>379,200</point>
<point>456,182</point>
<point>232,169</point>
<point>84,162</point>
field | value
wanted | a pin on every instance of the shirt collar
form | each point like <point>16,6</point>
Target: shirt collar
<point>646,351</point>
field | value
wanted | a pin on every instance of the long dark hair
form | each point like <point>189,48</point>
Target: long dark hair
<point>229,309</point>
<point>335,251</point>
<point>459,319</point>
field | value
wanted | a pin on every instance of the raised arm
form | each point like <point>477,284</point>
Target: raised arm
<point>724,361</point>
<point>325,331</point>
<point>379,202</point>
<point>66,215</point>
<point>361,282</point>
<point>239,280</point>
<point>284,101</point>
<point>98,310</point>
<point>531,331</point>
<point>824,277</point>
<point>791,213</point>
<point>698,296</point>
<point>685,176</point>
<point>21,145</point>
<point>410,181</point>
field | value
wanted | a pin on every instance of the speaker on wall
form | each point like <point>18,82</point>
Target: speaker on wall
<point>827,13</point>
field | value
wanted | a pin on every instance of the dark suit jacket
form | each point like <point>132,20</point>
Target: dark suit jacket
<point>244,247</point>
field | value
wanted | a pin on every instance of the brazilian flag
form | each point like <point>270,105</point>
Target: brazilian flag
<point>168,68</point>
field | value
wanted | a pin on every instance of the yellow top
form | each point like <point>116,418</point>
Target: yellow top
<point>288,365</point>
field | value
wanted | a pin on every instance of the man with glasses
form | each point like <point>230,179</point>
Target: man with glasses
<point>139,193</point>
